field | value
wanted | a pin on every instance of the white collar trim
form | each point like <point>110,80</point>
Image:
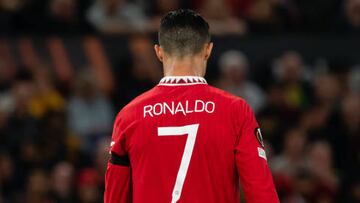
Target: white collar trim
<point>182,80</point>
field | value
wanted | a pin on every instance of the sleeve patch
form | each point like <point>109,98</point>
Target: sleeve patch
<point>259,136</point>
<point>262,153</point>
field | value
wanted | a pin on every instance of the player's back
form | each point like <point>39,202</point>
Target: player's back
<point>182,139</point>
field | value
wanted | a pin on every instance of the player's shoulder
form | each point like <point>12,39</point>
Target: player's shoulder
<point>223,95</point>
<point>237,104</point>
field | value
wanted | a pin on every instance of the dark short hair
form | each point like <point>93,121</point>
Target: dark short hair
<point>183,32</point>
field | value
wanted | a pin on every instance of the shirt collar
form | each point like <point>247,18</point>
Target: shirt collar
<point>182,80</point>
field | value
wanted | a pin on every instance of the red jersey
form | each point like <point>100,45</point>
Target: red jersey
<point>187,142</point>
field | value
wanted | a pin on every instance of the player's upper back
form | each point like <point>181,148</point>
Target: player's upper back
<point>182,131</point>
<point>182,99</point>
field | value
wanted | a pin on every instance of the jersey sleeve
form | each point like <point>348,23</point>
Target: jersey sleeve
<point>255,176</point>
<point>118,173</point>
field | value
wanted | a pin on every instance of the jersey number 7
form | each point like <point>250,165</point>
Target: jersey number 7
<point>191,131</point>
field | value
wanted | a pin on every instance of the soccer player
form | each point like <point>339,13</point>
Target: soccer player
<point>185,141</point>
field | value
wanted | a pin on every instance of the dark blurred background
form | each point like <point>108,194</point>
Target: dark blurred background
<point>68,66</point>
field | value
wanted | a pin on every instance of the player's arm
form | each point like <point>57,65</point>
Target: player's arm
<point>255,176</point>
<point>118,173</point>
<point>117,181</point>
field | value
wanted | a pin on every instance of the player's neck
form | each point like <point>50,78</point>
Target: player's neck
<point>188,66</point>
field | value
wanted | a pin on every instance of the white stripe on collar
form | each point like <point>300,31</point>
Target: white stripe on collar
<point>182,80</point>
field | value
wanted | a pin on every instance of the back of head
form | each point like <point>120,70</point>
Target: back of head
<point>183,33</point>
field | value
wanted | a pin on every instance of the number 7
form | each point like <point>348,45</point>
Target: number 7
<point>191,131</point>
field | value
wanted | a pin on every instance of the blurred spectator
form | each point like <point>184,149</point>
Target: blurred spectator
<point>6,75</point>
<point>315,181</point>
<point>146,67</point>
<point>46,98</point>
<point>239,8</point>
<point>344,135</point>
<point>161,8</point>
<point>53,139</point>
<point>317,119</point>
<point>327,89</point>
<point>304,188</point>
<point>286,165</point>
<point>319,163</point>
<point>38,187</point>
<point>350,111</point>
<point>234,79</point>
<point>263,15</point>
<point>290,71</point>
<point>90,114</point>
<point>145,70</point>
<point>62,183</point>
<point>64,16</point>
<point>223,22</point>
<point>11,5</point>
<point>292,158</point>
<point>273,115</point>
<point>350,19</point>
<point>7,182</point>
<point>21,126</point>
<point>116,16</point>
<point>88,183</point>
<point>164,6</point>
<point>352,12</point>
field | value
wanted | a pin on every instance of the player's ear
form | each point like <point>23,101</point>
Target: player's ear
<point>159,52</point>
<point>208,49</point>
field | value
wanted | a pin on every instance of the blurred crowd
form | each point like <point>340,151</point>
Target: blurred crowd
<point>225,16</point>
<point>55,134</point>
<point>53,147</point>
<point>310,116</point>
<point>54,137</point>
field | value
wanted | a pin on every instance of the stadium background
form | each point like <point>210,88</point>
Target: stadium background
<point>68,66</point>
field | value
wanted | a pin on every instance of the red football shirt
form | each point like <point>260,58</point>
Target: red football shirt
<point>187,142</point>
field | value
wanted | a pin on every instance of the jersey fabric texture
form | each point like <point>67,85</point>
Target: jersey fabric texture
<point>185,141</point>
